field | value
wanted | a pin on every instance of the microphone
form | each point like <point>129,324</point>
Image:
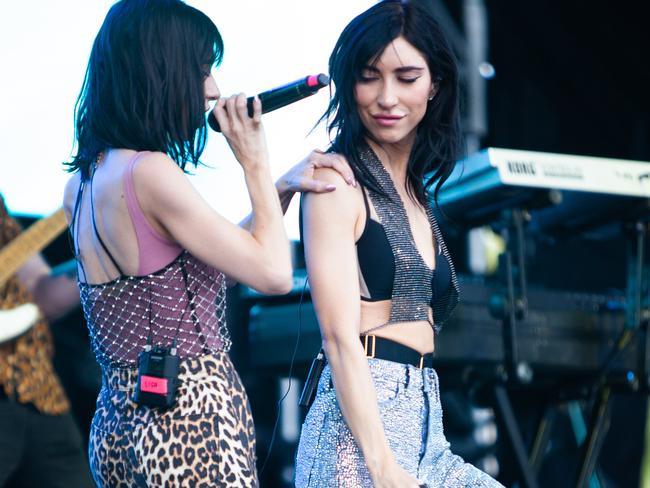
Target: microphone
<point>281,96</point>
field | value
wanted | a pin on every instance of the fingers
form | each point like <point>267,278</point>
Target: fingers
<point>257,109</point>
<point>317,186</point>
<point>232,112</point>
<point>237,111</point>
<point>219,111</point>
<point>334,161</point>
<point>244,134</point>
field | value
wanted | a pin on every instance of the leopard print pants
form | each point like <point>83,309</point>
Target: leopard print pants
<point>206,439</point>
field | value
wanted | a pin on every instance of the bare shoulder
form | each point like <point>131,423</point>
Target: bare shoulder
<point>344,194</point>
<point>344,204</point>
<point>330,175</point>
<point>70,193</point>
<point>164,191</point>
<point>157,165</point>
<point>157,175</point>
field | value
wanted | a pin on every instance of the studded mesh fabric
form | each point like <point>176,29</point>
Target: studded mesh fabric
<point>126,314</point>
<point>412,289</point>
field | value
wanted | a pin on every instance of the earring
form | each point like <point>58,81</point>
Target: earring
<point>434,88</point>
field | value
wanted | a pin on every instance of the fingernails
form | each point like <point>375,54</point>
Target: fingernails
<point>330,187</point>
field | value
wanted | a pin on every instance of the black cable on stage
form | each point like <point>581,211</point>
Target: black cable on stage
<point>293,358</point>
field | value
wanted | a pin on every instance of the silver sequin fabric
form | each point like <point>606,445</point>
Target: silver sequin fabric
<point>409,404</point>
<point>412,291</point>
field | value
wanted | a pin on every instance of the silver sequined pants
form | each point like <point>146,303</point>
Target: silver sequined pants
<point>409,404</point>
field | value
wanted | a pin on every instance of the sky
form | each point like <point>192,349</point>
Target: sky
<point>44,49</point>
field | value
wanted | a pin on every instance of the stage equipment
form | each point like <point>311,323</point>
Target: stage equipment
<point>530,195</point>
<point>511,335</point>
<point>563,193</point>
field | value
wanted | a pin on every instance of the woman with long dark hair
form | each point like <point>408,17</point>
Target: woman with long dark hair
<point>153,256</point>
<point>381,277</point>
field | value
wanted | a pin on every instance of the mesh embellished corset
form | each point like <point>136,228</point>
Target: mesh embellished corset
<point>412,291</point>
<point>185,301</point>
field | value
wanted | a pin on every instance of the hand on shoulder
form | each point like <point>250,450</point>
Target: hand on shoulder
<point>303,176</point>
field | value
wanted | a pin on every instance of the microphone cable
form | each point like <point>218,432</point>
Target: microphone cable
<point>286,393</point>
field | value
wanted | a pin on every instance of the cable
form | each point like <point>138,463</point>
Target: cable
<point>286,393</point>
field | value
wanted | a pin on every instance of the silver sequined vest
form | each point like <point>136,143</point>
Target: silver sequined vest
<point>412,285</point>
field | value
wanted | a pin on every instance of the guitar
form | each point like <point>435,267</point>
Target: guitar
<point>16,321</point>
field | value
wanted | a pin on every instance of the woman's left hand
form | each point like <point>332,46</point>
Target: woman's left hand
<point>300,178</point>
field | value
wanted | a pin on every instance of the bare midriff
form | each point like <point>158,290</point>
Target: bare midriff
<point>416,335</point>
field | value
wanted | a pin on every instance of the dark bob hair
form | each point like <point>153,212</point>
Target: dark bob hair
<point>438,135</point>
<point>143,88</point>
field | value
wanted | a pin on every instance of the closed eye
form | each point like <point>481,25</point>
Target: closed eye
<point>367,79</point>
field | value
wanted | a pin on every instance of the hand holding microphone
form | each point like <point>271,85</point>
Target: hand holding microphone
<point>281,96</point>
<point>243,132</point>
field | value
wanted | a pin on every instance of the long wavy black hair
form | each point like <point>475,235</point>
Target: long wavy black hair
<point>143,88</point>
<point>361,43</point>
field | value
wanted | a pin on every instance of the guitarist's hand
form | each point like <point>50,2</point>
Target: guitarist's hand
<point>54,295</point>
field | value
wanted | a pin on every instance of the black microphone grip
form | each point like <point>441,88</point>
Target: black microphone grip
<point>279,97</point>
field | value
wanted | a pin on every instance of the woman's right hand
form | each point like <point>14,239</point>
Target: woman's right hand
<point>245,134</point>
<point>300,178</point>
<point>393,476</point>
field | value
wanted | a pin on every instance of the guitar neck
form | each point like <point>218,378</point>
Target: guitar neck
<point>29,242</point>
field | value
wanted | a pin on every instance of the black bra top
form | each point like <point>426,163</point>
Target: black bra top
<point>377,263</point>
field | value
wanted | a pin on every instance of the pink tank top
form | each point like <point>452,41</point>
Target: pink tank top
<point>154,251</point>
<point>174,299</point>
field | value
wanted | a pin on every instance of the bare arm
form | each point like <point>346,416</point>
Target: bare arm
<point>300,178</point>
<point>329,223</point>
<point>260,257</point>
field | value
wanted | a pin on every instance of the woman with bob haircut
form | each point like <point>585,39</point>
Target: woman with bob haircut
<point>381,278</point>
<point>153,256</point>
